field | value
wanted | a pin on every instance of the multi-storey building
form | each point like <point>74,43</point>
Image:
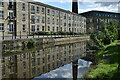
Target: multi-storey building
<point>95,17</point>
<point>23,17</point>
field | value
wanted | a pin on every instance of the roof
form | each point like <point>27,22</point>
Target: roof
<point>99,12</point>
<point>49,6</point>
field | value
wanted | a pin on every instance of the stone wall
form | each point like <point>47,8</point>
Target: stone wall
<point>20,43</point>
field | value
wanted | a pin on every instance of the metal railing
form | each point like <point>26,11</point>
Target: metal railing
<point>26,35</point>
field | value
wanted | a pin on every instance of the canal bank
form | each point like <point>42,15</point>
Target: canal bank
<point>107,63</point>
<point>39,41</point>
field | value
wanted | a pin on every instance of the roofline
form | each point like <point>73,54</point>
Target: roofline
<point>99,11</point>
<point>49,6</point>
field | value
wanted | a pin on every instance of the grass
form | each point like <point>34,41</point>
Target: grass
<point>108,63</point>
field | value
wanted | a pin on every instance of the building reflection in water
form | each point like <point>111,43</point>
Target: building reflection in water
<point>37,62</point>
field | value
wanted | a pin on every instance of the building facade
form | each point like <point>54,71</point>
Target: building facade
<point>95,17</point>
<point>23,17</point>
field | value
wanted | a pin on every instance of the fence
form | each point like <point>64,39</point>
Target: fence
<point>25,35</point>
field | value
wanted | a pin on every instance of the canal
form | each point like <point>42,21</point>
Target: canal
<point>47,61</point>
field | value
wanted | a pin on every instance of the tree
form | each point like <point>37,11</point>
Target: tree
<point>107,35</point>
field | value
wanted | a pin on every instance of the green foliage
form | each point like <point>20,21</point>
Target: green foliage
<point>12,51</point>
<point>56,33</point>
<point>103,71</point>
<point>31,42</point>
<point>108,67</point>
<point>107,35</point>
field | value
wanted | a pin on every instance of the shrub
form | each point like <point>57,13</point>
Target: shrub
<point>55,33</point>
<point>31,42</point>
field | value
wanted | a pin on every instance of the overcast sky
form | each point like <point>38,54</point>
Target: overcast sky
<point>85,5</point>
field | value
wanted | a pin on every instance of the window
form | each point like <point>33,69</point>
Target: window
<point>11,27</point>
<point>65,16</point>
<point>69,24</point>
<point>69,18</point>
<point>1,26</point>
<point>43,19</point>
<point>33,28</point>
<point>38,61</point>
<point>48,20</point>
<point>32,19</point>
<point>3,69</point>
<point>48,11</point>
<point>43,28</point>
<point>97,20</point>
<point>38,19</point>
<point>53,21</point>
<point>24,28</point>
<point>97,27</point>
<point>11,2</point>
<point>23,17</point>
<point>57,21</point>
<point>61,22</point>
<point>1,14</point>
<point>48,28</point>
<point>23,6</point>
<point>11,15</point>
<point>43,10</point>
<point>38,28</point>
<point>57,13</point>
<point>38,10</point>
<point>57,29</point>
<point>12,68</point>
<point>64,24</point>
<point>53,28</point>
<point>53,12</point>
<point>70,29</point>
<point>1,3</point>
<point>64,29</point>
<point>32,9</point>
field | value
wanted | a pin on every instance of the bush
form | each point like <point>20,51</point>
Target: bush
<point>55,33</point>
<point>31,42</point>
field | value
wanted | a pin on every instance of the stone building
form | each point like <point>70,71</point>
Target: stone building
<point>95,17</point>
<point>23,17</point>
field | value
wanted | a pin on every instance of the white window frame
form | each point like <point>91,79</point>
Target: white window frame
<point>1,26</point>
<point>11,27</point>
<point>1,14</point>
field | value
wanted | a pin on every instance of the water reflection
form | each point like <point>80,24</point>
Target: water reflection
<point>66,71</point>
<point>37,62</point>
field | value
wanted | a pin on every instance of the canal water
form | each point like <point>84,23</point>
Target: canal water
<point>47,61</point>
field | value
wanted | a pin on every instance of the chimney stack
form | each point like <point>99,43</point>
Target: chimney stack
<point>75,6</point>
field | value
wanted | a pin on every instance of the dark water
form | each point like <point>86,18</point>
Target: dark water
<point>56,61</point>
